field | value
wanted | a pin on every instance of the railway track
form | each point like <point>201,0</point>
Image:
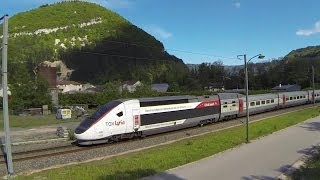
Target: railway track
<point>73,148</point>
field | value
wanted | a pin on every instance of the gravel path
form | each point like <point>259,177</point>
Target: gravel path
<point>114,149</point>
<point>38,133</point>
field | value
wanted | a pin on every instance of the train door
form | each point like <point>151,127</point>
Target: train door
<point>132,115</point>
<point>240,105</point>
<point>313,98</point>
<point>283,101</point>
<point>136,119</point>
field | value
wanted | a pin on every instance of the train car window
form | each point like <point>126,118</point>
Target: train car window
<point>287,99</point>
<point>225,102</point>
<point>272,100</point>
<point>268,101</point>
<point>294,97</point>
<point>234,105</point>
<point>291,98</point>
<point>233,101</point>
<point>162,102</point>
<point>257,103</point>
<point>301,97</point>
<point>120,114</point>
<point>225,106</point>
<point>263,102</point>
<point>298,97</point>
<point>252,104</point>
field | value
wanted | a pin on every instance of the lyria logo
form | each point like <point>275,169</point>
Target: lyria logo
<point>115,123</point>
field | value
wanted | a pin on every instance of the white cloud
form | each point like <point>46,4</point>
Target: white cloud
<point>158,32</point>
<point>114,4</point>
<point>308,32</point>
<point>236,4</point>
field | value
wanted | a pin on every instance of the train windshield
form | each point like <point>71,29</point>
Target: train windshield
<point>85,124</point>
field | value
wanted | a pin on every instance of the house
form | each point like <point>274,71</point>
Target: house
<point>131,85</point>
<point>235,90</point>
<point>289,87</point>
<point>161,87</point>
<point>88,88</point>
<point>214,87</point>
<point>69,86</point>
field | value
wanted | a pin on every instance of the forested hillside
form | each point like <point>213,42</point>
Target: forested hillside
<point>98,44</point>
<point>294,68</point>
<point>307,52</point>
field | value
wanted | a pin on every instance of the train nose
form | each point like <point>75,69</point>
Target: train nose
<point>81,133</point>
<point>80,129</point>
<point>83,136</point>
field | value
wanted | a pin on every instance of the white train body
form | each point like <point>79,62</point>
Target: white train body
<point>125,118</point>
<point>129,118</point>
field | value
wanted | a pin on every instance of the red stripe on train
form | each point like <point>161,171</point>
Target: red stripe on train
<point>208,104</point>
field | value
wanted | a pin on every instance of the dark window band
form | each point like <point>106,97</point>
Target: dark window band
<point>154,118</point>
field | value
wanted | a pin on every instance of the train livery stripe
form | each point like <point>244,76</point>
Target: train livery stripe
<point>208,104</point>
<point>155,118</point>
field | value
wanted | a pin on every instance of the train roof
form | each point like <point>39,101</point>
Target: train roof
<point>229,95</point>
<point>262,96</point>
<point>165,98</point>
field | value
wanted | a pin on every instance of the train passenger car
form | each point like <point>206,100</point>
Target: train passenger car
<point>260,103</point>
<point>294,98</point>
<point>316,95</point>
<point>160,116</point>
<point>230,105</point>
<point>139,117</point>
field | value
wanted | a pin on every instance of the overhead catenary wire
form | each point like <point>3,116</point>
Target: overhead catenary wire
<point>164,49</point>
<point>129,57</point>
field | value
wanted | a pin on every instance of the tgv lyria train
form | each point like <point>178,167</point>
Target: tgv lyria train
<point>128,118</point>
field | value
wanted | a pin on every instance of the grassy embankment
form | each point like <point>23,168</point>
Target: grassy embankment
<point>154,160</point>
<point>311,170</point>
<point>34,121</point>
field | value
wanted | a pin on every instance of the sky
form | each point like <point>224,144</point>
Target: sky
<point>209,30</point>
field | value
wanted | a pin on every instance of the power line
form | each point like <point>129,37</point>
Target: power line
<point>205,54</point>
<point>129,57</point>
<point>162,49</point>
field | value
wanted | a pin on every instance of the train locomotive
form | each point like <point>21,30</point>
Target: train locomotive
<point>128,118</point>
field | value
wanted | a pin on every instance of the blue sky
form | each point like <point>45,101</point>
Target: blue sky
<point>209,30</point>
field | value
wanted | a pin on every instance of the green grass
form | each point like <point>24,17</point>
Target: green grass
<point>158,159</point>
<point>34,121</point>
<point>311,170</point>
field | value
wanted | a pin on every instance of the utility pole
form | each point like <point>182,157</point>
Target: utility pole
<point>246,86</point>
<point>247,94</point>
<point>5,95</point>
<point>314,101</point>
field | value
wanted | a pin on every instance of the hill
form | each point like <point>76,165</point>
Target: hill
<point>97,44</point>
<point>307,52</point>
